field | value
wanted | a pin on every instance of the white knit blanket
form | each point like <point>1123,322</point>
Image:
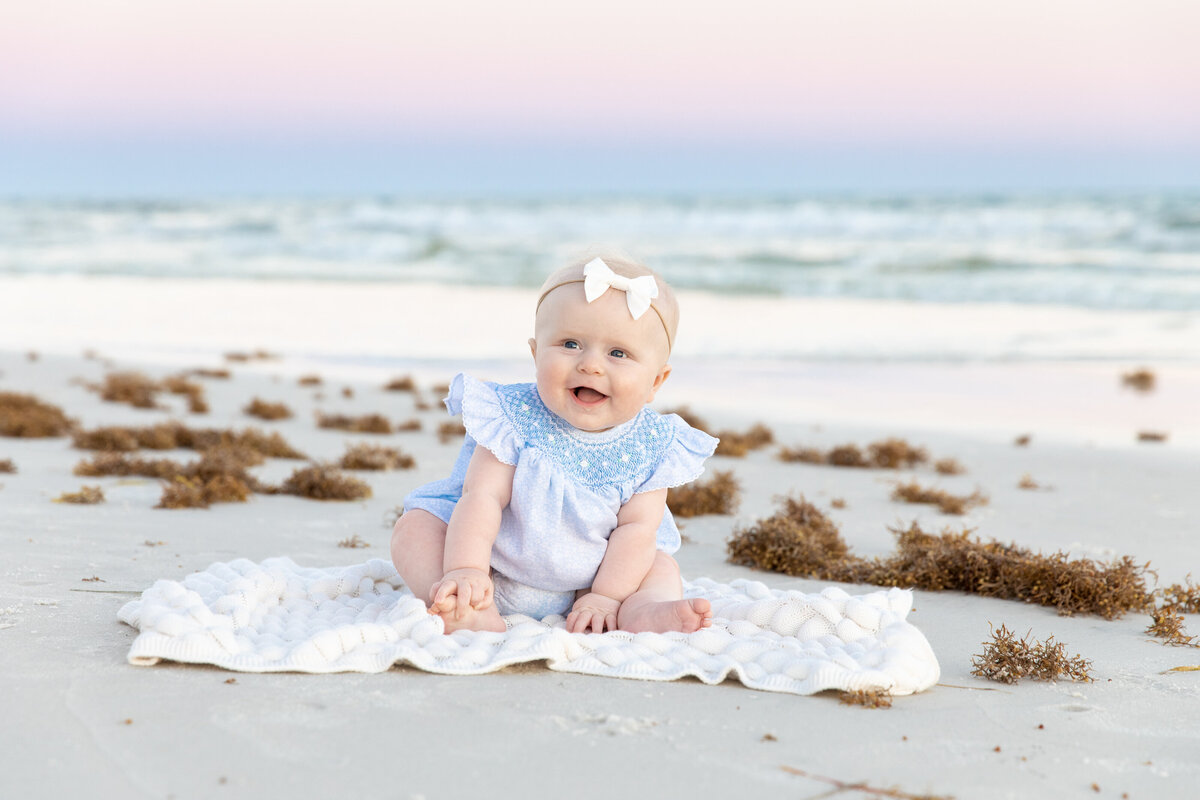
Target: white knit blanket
<point>280,617</point>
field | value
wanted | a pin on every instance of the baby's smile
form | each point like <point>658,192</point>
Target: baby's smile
<point>588,396</point>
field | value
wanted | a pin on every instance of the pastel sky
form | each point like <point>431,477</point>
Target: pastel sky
<point>389,95</point>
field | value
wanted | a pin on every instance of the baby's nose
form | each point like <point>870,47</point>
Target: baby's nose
<point>591,362</point>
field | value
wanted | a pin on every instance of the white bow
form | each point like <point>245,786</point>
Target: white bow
<point>598,278</point>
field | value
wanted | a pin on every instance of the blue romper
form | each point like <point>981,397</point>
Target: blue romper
<point>568,487</point>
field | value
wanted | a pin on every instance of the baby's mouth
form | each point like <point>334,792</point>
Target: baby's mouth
<point>588,395</point>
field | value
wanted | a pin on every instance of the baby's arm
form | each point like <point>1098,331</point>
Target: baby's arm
<point>627,560</point>
<point>466,582</point>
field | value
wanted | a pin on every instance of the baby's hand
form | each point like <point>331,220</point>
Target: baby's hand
<point>459,590</point>
<point>595,611</point>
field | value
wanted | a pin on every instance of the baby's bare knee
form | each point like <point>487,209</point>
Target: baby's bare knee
<point>416,533</point>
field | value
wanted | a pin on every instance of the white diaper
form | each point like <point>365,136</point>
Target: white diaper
<point>513,597</point>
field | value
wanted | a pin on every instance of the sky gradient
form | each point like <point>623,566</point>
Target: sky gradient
<point>375,95</point>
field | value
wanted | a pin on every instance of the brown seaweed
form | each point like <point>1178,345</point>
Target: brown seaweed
<point>895,453</point>
<point>949,466</point>
<point>26,416</point>
<point>804,455</point>
<point>375,457</point>
<point>264,409</point>
<point>449,431</point>
<point>180,385</point>
<point>913,492</point>
<point>7,466</point>
<point>404,383</point>
<point>172,435</point>
<point>720,494</point>
<point>354,542</point>
<point>892,453</point>
<point>323,482</point>
<point>257,355</point>
<point>219,373</point>
<point>201,492</point>
<point>87,495</point>
<point>737,445</point>
<point>693,420</point>
<point>1007,659</point>
<point>367,423</point>
<point>800,540</point>
<point>1152,436</point>
<point>1167,624</point>
<point>309,380</point>
<point>867,698</point>
<point>132,388</point>
<point>1182,597</point>
<point>1141,379</point>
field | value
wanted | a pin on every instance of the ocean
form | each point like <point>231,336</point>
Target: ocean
<point>1109,252</point>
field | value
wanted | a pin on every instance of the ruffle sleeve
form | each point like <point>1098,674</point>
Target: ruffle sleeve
<point>483,417</point>
<point>683,460</point>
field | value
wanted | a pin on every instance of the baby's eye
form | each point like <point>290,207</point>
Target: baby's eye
<point>571,344</point>
<point>616,352</point>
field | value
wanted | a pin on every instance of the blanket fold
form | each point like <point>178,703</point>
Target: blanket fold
<point>280,617</point>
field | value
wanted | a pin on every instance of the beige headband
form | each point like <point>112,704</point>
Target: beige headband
<point>653,308</point>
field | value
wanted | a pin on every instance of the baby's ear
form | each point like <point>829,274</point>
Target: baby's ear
<point>533,347</point>
<point>659,380</point>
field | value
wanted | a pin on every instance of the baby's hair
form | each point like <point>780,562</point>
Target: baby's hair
<point>665,305</point>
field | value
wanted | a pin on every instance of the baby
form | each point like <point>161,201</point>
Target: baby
<point>557,503</point>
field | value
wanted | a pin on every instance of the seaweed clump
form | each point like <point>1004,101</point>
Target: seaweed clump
<point>867,698</point>
<point>720,494</point>
<point>197,492</point>
<point>26,416</point>
<point>367,423</point>
<point>264,409</point>
<point>323,482</point>
<point>173,435</point>
<point>132,388</point>
<point>799,540</point>
<point>693,420</point>
<point>7,466</point>
<point>1141,379</point>
<point>375,457</point>
<point>736,445</point>
<point>1152,436</point>
<point>87,495</point>
<point>1007,659</point>
<point>949,466</point>
<point>449,431</point>
<point>1166,621</point>
<point>404,383</point>
<point>140,391</point>
<point>913,492</point>
<point>890,453</point>
<point>1167,624</point>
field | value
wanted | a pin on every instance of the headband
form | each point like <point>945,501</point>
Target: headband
<point>598,278</point>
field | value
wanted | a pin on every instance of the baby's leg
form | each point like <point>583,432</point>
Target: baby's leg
<point>658,604</point>
<point>418,544</point>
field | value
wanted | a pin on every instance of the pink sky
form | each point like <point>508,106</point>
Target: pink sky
<point>1099,73</point>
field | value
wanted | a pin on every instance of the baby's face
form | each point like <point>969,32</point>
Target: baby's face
<point>596,365</point>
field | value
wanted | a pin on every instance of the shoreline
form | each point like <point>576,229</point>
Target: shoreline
<point>149,319</point>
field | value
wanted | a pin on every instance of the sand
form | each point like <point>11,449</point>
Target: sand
<point>78,720</point>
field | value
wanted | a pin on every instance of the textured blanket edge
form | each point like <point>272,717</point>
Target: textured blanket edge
<point>210,618</point>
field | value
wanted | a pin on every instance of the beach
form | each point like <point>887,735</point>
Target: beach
<point>81,719</point>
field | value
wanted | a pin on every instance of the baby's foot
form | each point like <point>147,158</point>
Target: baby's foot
<point>685,616</point>
<point>488,619</point>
